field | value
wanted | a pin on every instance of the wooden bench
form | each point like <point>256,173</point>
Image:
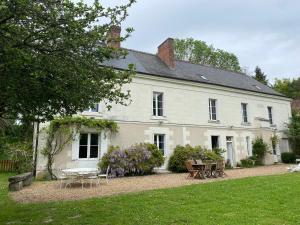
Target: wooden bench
<point>16,183</point>
<point>297,161</point>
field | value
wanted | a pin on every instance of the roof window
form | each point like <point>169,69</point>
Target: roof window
<point>203,77</point>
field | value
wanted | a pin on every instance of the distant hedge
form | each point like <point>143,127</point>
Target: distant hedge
<point>288,157</point>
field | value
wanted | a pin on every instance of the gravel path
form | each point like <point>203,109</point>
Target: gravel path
<point>44,191</point>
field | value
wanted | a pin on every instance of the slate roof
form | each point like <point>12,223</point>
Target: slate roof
<point>150,64</point>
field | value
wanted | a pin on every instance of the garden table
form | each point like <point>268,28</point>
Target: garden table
<point>81,174</point>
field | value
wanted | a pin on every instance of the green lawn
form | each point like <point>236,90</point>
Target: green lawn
<point>259,200</point>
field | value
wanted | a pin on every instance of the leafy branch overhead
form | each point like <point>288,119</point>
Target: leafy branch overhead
<point>52,55</point>
<point>197,51</point>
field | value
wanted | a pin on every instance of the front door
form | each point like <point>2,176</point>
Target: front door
<point>230,150</point>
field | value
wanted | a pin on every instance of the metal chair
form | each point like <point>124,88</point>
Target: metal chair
<point>106,175</point>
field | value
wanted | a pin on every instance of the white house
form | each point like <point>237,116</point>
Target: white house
<point>178,103</point>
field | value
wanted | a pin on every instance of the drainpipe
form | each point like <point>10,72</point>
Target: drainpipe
<point>36,148</point>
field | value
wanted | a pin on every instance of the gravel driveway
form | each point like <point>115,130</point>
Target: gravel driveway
<point>44,191</point>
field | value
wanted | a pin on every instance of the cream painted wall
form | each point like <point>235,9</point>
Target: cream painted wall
<point>186,118</point>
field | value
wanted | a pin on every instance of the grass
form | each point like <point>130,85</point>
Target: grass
<point>257,200</point>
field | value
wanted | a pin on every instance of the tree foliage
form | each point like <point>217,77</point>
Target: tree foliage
<point>288,87</point>
<point>294,132</point>
<point>51,57</point>
<point>260,76</point>
<point>16,144</point>
<point>199,52</point>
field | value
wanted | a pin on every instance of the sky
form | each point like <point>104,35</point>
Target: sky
<point>260,32</point>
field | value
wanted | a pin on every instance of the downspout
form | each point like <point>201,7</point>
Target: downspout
<point>36,147</point>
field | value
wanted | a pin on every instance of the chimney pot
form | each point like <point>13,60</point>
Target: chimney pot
<point>114,37</point>
<point>166,53</point>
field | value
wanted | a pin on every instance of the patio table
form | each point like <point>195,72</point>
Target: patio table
<point>201,168</point>
<point>80,174</point>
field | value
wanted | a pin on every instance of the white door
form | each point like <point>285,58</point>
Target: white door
<point>230,150</point>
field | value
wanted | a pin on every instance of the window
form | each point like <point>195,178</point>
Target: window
<point>248,146</point>
<point>203,77</point>
<point>159,141</point>
<point>95,108</point>
<point>212,109</point>
<point>244,112</point>
<point>89,146</point>
<point>270,114</point>
<point>214,142</point>
<point>157,104</point>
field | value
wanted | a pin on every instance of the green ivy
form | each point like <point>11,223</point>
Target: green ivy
<point>63,129</point>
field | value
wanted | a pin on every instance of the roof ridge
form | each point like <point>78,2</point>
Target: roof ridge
<point>211,66</point>
<point>185,61</point>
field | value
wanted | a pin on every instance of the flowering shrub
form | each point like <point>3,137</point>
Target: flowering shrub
<point>138,159</point>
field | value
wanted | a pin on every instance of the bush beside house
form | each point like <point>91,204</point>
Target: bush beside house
<point>259,150</point>
<point>288,157</point>
<point>139,159</point>
<point>182,153</point>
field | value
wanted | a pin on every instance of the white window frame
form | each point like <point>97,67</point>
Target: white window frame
<point>91,110</point>
<point>247,113</point>
<point>155,111</point>
<point>157,142</point>
<point>89,146</point>
<point>271,118</point>
<point>210,109</point>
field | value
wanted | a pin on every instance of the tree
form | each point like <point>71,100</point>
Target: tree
<point>260,76</point>
<point>199,52</point>
<point>51,57</point>
<point>290,88</point>
<point>294,132</point>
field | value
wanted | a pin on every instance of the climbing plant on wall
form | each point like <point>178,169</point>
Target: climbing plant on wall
<point>62,130</point>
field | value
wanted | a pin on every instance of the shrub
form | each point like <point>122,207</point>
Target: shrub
<point>260,148</point>
<point>247,162</point>
<point>139,159</point>
<point>288,157</point>
<point>183,153</point>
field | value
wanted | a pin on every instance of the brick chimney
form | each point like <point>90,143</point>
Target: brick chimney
<point>114,37</point>
<point>166,53</point>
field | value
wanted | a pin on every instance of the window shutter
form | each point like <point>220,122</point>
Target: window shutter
<point>75,146</point>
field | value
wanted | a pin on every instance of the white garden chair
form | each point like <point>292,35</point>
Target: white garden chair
<point>106,175</point>
<point>61,176</point>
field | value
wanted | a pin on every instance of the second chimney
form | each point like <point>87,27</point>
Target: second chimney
<point>114,37</point>
<point>166,53</point>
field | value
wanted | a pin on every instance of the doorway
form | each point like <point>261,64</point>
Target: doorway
<point>230,150</point>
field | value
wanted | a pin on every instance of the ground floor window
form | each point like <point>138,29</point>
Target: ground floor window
<point>215,142</point>
<point>89,146</point>
<point>159,141</point>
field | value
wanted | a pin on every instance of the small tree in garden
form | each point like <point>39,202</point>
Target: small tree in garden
<point>62,130</point>
<point>294,132</point>
<point>259,149</point>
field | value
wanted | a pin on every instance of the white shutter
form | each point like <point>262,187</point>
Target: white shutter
<point>75,146</point>
<point>103,143</point>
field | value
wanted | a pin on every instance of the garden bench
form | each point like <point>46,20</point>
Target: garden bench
<point>16,183</point>
<point>297,161</point>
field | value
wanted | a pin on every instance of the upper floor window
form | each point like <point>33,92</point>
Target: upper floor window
<point>88,146</point>
<point>95,108</point>
<point>244,112</point>
<point>159,141</point>
<point>270,114</point>
<point>158,104</point>
<point>212,109</point>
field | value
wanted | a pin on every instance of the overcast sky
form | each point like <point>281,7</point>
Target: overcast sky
<point>260,32</point>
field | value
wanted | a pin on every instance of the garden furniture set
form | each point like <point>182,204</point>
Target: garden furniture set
<point>199,169</point>
<point>81,175</point>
